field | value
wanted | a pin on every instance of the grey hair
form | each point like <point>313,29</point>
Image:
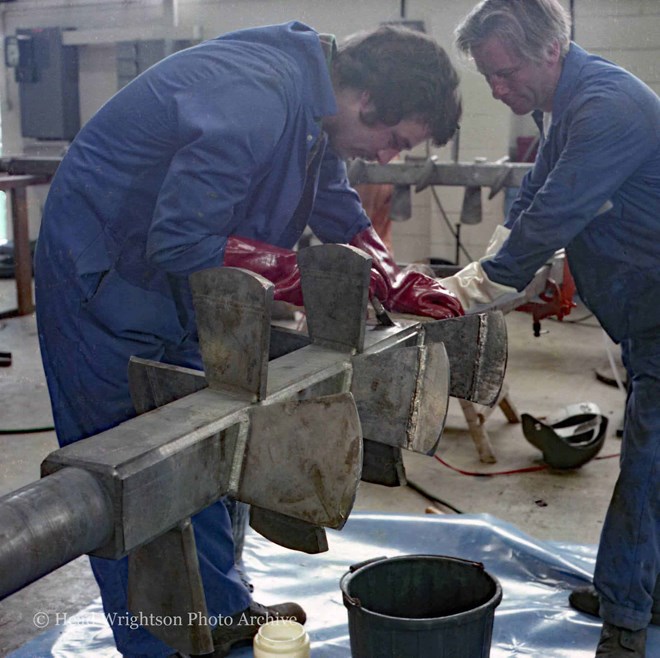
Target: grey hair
<point>526,26</point>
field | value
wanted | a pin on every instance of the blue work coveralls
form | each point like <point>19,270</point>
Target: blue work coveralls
<point>221,139</point>
<point>595,189</point>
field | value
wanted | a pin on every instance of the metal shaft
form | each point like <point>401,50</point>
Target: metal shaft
<point>48,523</point>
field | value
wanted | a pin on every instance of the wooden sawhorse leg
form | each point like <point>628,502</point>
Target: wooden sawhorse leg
<point>476,416</point>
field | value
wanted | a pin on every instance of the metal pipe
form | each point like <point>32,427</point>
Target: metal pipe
<point>572,11</point>
<point>457,255</point>
<point>48,523</point>
<point>463,174</point>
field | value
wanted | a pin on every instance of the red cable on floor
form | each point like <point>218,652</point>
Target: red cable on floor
<point>528,469</point>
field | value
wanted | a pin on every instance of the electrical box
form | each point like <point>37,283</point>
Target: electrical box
<point>47,76</point>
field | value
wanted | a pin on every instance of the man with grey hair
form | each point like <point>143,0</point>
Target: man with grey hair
<point>594,190</point>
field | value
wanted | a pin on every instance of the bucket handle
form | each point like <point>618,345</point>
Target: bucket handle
<point>354,601</point>
<point>458,559</point>
<point>354,567</point>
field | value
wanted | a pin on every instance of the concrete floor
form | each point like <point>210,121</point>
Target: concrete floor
<point>544,374</point>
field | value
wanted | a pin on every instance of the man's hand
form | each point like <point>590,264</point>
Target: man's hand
<point>280,267</point>
<point>407,291</point>
<point>475,290</point>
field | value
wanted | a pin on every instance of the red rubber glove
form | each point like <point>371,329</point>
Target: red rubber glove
<point>280,267</point>
<point>409,292</point>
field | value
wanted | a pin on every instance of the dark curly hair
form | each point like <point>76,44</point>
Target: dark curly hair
<point>407,75</point>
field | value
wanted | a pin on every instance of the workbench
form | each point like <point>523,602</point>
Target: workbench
<point>16,186</point>
<point>17,173</point>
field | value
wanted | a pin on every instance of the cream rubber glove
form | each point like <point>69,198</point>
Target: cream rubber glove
<point>498,238</point>
<point>471,285</point>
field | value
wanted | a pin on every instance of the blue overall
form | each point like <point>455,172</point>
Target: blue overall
<point>595,190</point>
<point>211,142</point>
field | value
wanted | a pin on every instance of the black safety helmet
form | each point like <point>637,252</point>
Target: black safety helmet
<point>570,438</point>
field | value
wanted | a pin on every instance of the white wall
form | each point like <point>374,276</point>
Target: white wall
<point>626,31</point>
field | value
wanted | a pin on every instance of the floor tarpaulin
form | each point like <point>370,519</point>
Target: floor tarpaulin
<point>534,618</point>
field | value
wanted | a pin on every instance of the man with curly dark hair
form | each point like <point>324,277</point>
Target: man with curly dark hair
<point>236,143</point>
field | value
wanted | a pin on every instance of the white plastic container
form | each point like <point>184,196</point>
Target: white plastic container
<point>281,638</point>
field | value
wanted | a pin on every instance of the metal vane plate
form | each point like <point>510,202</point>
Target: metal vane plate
<point>383,464</point>
<point>432,399</point>
<point>154,384</point>
<point>402,396</point>
<point>304,458</point>
<point>477,349</point>
<point>233,309</point>
<point>164,583</point>
<point>288,532</point>
<point>335,285</point>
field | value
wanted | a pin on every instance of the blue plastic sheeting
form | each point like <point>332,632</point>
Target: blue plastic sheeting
<point>534,618</point>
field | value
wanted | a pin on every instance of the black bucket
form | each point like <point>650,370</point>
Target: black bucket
<point>420,606</point>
